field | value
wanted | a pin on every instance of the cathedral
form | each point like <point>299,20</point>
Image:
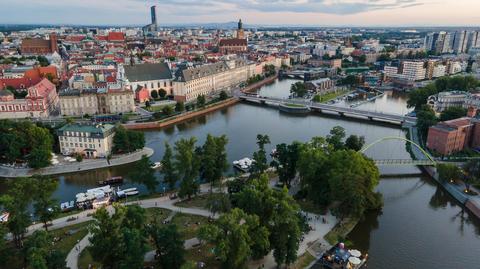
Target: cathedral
<point>234,45</point>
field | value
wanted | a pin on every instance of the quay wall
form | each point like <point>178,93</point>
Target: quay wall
<point>180,118</point>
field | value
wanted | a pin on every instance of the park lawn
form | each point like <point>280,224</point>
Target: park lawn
<point>157,108</point>
<point>331,95</point>
<point>294,105</point>
<point>157,213</point>
<point>188,224</point>
<point>199,201</point>
<point>341,230</point>
<point>86,259</point>
<point>66,243</point>
<point>303,261</point>
<point>203,253</point>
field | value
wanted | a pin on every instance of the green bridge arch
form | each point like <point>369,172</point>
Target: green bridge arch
<point>426,154</point>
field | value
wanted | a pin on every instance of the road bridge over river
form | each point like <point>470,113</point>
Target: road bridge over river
<point>332,109</point>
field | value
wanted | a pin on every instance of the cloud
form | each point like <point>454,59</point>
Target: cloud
<point>340,7</point>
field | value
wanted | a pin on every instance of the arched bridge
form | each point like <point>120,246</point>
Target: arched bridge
<point>429,160</point>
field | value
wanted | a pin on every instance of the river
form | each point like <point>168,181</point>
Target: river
<point>419,227</point>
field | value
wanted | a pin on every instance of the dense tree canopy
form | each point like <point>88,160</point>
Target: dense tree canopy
<point>453,112</point>
<point>126,141</point>
<point>187,166</point>
<point>25,141</point>
<point>169,245</point>
<point>298,89</point>
<point>213,159</point>
<point>425,118</point>
<point>143,173</point>
<point>286,157</point>
<point>168,170</point>
<point>260,157</point>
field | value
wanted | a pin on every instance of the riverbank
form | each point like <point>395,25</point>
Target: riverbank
<point>85,165</point>
<point>472,203</point>
<point>181,117</point>
<point>255,86</point>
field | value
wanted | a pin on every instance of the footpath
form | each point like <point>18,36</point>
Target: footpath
<point>73,167</point>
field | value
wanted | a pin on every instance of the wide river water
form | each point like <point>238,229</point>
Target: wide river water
<point>420,226</point>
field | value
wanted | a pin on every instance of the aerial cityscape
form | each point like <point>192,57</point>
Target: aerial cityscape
<point>340,134</point>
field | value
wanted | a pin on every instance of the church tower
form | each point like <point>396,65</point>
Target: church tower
<point>240,32</point>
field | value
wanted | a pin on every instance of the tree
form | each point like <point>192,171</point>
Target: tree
<point>187,164</point>
<point>167,110</point>
<point>201,100</point>
<point>453,112</point>
<point>218,203</point>
<point>362,59</point>
<point>162,93</point>
<point>154,94</point>
<point>269,70</point>
<point>16,201</point>
<point>126,141</point>
<point>45,207</point>
<point>298,89</point>
<point>3,245</point>
<point>42,60</point>
<point>144,174</point>
<point>336,136</point>
<point>214,159</point>
<point>447,172</point>
<point>118,240</point>
<point>352,179</point>
<point>223,95</point>
<point>40,254</point>
<point>286,157</point>
<point>169,245</point>
<point>349,80</point>
<point>425,118</point>
<point>355,142</point>
<point>259,164</point>
<point>472,173</point>
<point>234,234</point>
<point>179,107</point>
<point>168,169</point>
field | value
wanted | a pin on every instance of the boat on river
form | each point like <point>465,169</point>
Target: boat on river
<point>339,257</point>
<point>156,165</point>
<point>243,164</point>
<point>111,181</point>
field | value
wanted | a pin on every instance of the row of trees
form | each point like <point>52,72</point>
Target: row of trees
<point>37,250</point>
<point>298,89</point>
<point>469,174</point>
<point>25,141</point>
<point>185,164</point>
<point>160,94</point>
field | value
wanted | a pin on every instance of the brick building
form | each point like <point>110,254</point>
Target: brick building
<point>39,45</point>
<point>455,135</point>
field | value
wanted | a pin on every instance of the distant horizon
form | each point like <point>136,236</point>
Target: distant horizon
<point>293,13</point>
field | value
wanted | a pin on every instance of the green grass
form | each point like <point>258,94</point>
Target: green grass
<point>85,259</point>
<point>157,213</point>
<point>187,224</point>
<point>204,254</point>
<point>341,230</point>
<point>157,108</point>
<point>303,261</point>
<point>65,244</point>
<point>322,98</point>
<point>294,105</point>
<point>199,201</point>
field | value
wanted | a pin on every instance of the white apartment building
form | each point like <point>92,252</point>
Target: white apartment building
<point>91,141</point>
<point>149,76</point>
<point>190,82</point>
<point>413,70</point>
<point>93,101</point>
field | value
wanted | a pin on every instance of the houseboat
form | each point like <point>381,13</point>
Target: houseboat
<point>111,181</point>
<point>243,164</point>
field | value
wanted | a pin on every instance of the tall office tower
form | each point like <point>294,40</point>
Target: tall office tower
<point>447,43</point>
<point>460,42</point>
<point>473,40</point>
<point>438,42</point>
<point>153,14</point>
<point>429,42</point>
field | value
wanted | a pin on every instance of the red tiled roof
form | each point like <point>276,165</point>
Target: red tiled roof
<point>75,38</point>
<point>44,87</point>
<point>116,36</point>
<point>233,42</point>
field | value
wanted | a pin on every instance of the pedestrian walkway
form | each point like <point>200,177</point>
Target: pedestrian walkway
<point>85,165</point>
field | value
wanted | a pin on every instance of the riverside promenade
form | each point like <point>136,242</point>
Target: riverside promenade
<point>73,167</point>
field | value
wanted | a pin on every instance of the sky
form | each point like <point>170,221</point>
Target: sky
<point>260,12</point>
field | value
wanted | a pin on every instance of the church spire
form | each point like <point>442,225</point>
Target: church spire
<point>240,24</point>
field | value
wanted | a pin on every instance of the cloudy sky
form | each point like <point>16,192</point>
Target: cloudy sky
<point>274,12</point>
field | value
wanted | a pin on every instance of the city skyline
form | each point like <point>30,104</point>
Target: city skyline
<point>272,12</point>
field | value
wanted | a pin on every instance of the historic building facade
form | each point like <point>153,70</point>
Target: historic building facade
<point>91,141</point>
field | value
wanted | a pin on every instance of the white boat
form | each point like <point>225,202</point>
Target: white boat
<point>129,190</point>
<point>156,165</point>
<point>4,217</point>
<point>131,193</point>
